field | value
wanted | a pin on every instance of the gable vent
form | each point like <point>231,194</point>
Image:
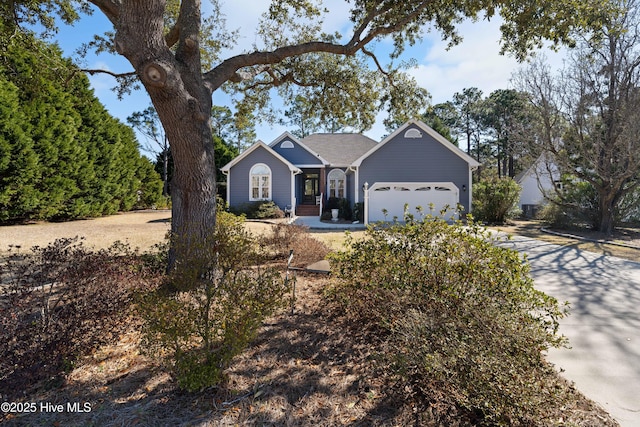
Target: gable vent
<point>286,144</point>
<point>413,134</point>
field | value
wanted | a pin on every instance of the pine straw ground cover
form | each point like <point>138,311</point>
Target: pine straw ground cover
<point>309,368</point>
<point>305,369</point>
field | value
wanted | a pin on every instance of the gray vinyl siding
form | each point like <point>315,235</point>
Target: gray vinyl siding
<point>350,184</point>
<point>416,160</point>
<point>239,182</point>
<point>296,155</point>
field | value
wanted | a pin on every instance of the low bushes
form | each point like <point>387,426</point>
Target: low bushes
<point>259,210</point>
<point>577,208</point>
<point>209,310</point>
<point>287,237</point>
<point>455,315</point>
<point>60,302</point>
<point>342,204</point>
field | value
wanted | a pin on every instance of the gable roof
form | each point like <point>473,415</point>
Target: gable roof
<point>254,147</point>
<point>287,135</point>
<point>339,149</point>
<point>544,160</point>
<point>432,133</point>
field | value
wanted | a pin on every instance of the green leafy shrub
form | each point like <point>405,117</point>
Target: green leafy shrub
<point>258,210</point>
<point>209,310</point>
<point>358,211</point>
<point>344,208</point>
<point>62,301</point>
<point>454,313</point>
<point>495,200</point>
<point>342,204</point>
<point>62,155</point>
<point>578,207</point>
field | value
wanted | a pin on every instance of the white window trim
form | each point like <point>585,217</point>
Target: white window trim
<point>343,178</point>
<point>251,175</point>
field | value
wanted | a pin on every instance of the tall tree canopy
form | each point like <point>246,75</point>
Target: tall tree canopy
<point>589,115</point>
<point>496,128</point>
<point>164,41</point>
<point>506,116</point>
<point>469,112</point>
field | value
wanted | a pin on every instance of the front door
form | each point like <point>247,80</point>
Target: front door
<point>310,188</point>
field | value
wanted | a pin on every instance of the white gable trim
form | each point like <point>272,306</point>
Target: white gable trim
<point>259,144</point>
<point>473,164</point>
<point>287,135</point>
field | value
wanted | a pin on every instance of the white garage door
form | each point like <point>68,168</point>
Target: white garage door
<point>387,200</point>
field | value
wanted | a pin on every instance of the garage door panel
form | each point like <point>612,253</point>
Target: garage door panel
<point>393,197</point>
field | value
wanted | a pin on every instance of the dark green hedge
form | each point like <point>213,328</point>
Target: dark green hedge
<point>62,155</point>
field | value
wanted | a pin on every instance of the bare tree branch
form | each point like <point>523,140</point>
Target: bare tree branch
<point>111,73</point>
<point>228,68</point>
<point>278,80</point>
<point>378,65</point>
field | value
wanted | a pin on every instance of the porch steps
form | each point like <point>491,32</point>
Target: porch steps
<point>307,210</point>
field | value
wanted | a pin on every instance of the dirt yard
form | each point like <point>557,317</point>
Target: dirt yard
<point>143,229</point>
<point>303,369</point>
<point>140,229</point>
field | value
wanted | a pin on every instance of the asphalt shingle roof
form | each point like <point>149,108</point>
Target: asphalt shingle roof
<point>339,149</point>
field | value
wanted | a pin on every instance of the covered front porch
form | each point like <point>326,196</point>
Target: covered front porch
<point>310,192</point>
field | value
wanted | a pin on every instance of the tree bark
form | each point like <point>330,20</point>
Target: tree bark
<point>183,102</point>
<point>606,214</point>
<point>165,169</point>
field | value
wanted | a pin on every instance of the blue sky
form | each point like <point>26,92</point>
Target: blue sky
<point>474,63</point>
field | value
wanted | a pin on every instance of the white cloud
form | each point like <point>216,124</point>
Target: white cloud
<point>245,15</point>
<point>476,62</point>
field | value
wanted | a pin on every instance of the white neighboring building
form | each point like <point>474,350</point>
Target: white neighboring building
<point>537,182</point>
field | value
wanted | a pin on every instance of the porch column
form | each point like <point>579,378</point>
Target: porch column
<point>293,194</point>
<point>323,185</point>
<point>365,187</point>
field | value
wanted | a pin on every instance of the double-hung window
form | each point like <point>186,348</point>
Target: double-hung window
<point>260,177</point>
<point>337,183</point>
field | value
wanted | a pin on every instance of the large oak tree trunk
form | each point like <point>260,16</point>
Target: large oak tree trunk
<point>607,204</point>
<point>193,187</point>
<point>183,102</point>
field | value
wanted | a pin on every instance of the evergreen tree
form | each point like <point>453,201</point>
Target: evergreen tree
<point>149,187</point>
<point>18,160</point>
<point>62,155</point>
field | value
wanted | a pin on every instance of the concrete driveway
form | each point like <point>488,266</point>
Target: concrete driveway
<point>603,326</point>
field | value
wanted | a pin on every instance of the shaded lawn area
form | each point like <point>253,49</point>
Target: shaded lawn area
<point>625,235</point>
